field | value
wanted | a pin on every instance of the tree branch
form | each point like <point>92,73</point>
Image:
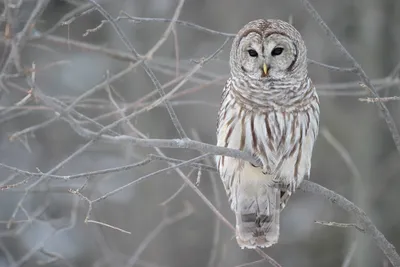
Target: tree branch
<point>363,220</point>
<point>360,72</point>
<point>144,64</point>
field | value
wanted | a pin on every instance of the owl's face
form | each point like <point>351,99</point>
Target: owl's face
<point>262,57</point>
<point>267,50</point>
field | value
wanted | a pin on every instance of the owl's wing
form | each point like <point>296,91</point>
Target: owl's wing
<point>222,110</point>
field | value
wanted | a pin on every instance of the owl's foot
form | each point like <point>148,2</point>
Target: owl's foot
<point>285,195</point>
<point>286,189</point>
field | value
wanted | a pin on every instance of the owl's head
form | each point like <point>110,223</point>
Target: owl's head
<point>268,50</point>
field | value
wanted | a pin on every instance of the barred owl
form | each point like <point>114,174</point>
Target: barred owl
<point>270,109</point>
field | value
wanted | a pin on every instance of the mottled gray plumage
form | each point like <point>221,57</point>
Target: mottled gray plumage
<point>269,108</point>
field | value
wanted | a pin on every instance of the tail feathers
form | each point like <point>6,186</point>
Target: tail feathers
<point>257,217</point>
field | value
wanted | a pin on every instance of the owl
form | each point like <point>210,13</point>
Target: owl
<point>270,109</point>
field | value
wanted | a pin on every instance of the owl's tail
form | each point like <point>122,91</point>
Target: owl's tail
<point>257,216</point>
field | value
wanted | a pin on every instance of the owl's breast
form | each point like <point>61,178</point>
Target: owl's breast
<point>282,141</point>
<point>296,133</point>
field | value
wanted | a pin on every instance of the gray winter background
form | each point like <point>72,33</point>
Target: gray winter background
<point>61,57</point>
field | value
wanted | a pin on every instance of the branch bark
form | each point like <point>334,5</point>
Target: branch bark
<point>363,220</point>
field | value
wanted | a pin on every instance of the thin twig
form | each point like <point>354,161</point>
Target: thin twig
<point>365,223</point>
<point>144,64</point>
<point>342,225</point>
<point>360,72</point>
<point>108,225</point>
<point>332,67</point>
<point>379,99</point>
<point>164,223</point>
<point>168,31</point>
<point>174,195</point>
<point>141,179</point>
<point>67,19</point>
<point>179,22</point>
<point>20,39</point>
<point>214,251</point>
<point>343,153</point>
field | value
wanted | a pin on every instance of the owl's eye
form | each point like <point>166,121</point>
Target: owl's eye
<point>253,53</point>
<point>276,51</point>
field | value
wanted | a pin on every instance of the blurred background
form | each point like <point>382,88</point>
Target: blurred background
<point>160,222</point>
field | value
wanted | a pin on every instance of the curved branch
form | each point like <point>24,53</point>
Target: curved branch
<point>387,248</point>
<point>365,222</point>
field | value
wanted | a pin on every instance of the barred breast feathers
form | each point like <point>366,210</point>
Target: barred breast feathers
<point>280,135</point>
<point>281,95</point>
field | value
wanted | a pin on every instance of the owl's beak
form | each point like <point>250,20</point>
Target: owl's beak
<point>265,70</point>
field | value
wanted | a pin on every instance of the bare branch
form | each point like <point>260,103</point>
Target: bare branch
<point>109,226</point>
<point>343,153</point>
<point>218,205</point>
<point>332,67</point>
<point>141,179</point>
<point>370,229</point>
<point>179,22</point>
<point>360,72</point>
<point>167,32</point>
<point>144,64</point>
<point>174,195</point>
<point>342,225</point>
<point>380,99</point>
<point>164,223</point>
<point>166,143</point>
<point>67,19</point>
<point>20,38</point>
<point>113,122</point>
